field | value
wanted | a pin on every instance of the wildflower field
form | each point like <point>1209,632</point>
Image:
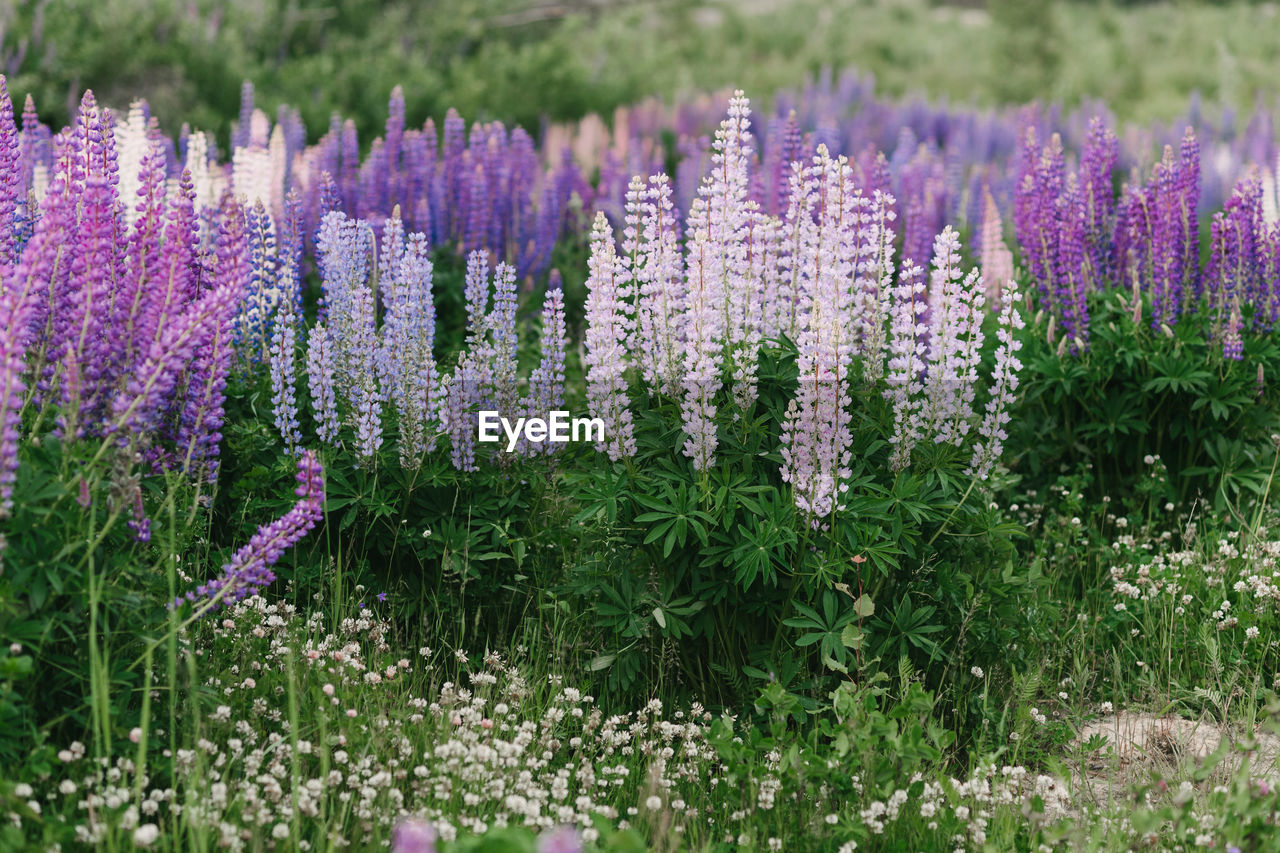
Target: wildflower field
<point>808,470</point>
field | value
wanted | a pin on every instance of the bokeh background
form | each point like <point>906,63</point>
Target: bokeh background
<point>528,61</point>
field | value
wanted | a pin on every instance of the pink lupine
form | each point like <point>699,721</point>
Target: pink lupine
<point>995,259</point>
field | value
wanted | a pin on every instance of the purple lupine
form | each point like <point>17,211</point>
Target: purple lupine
<point>22,292</point>
<point>284,404</point>
<point>12,188</point>
<point>146,395</point>
<point>476,292</point>
<point>1235,274</point>
<point>241,135</point>
<point>259,302</point>
<point>1097,162</point>
<point>248,571</point>
<point>986,451</point>
<point>324,402</point>
<point>202,410</point>
<point>1070,291</point>
<point>462,396</point>
<point>141,301</point>
<point>608,326</point>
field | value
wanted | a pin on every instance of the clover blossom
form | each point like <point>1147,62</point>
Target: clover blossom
<point>608,326</point>
<point>248,571</point>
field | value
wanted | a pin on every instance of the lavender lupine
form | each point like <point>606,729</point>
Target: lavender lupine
<point>546,381</point>
<point>606,358</point>
<point>907,360</point>
<point>716,279</point>
<point>502,326</point>
<point>991,434</point>
<point>324,401</point>
<point>248,571</point>
<point>955,342</point>
<point>284,403</point>
<point>875,273</point>
<point>816,437</point>
<point>659,282</point>
<point>414,382</point>
<point>1236,272</point>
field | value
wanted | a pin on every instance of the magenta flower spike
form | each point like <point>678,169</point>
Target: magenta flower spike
<point>249,570</point>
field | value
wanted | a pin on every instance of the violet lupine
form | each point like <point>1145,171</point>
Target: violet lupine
<point>546,381</point>
<point>284,403</point>
<point>138,408</point>
<point>248,571</point>
<point>906,366</point>
<point>606,359</point>
<point>991,434</point>
<point>955,342</point>
<point>1097,162</point>
<point>324,401</point>
<point>201,412</point>
<point>462,397</point>
<point>1237,268</point>
<point>259,303</point>
<point>12,186</point>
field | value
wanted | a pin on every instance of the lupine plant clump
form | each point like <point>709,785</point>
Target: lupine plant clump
<point>855,474</point>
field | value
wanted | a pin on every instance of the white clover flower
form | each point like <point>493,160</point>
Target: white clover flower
<point>653,803</point>
<point>146,835</point>
<point>976,672</point>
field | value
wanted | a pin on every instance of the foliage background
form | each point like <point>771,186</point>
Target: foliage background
<point>525,61</point>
